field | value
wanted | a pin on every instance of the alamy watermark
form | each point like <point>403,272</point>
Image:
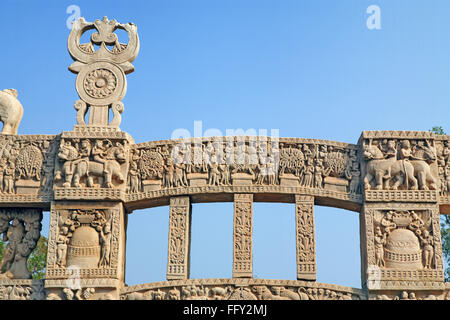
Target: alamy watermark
<point>243,149</point>
<point>75,14</point>
<point>374,20</point>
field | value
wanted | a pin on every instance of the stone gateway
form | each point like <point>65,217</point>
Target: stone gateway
<point>92,178</point>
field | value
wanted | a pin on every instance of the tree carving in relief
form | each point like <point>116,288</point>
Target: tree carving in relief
<point>26,165</point>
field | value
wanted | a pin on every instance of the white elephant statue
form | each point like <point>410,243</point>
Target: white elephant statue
<point>11,111</point>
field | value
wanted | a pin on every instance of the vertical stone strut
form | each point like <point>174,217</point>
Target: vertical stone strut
<point>305,238</point>
<point>242,236</point>
<point>179,238</point>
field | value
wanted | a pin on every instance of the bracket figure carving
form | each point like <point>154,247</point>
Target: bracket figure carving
<point>21,229</point>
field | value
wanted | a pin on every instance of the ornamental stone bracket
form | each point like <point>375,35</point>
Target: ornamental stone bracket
<point>91,178</point>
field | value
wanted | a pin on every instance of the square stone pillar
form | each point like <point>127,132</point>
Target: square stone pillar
<point>179,238</point>
<point>305,238</point>
<point>242,236</point>
<point>401,248</point>
<point>86,250</point>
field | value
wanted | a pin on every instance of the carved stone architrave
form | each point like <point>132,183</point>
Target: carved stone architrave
<point>243,236</point>
<point>86,243</point>
<point>401,247</point>
<point>240,289</point>
<point>20,289</point>
<point>305,238</point>
<point>179,238</point>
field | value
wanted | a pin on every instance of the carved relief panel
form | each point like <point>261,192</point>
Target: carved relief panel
<point>179,238</point>
<point>226,162</point>
<point>243,236</point>
<point>443,154</point>
<point>403,246</point>
<point>400,161</point>
<point>240,289</point>
<point>26,167</point>
<point>305,238</point>
<point>86,165</point>
<point>85,242</point>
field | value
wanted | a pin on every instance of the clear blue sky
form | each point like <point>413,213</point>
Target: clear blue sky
<point>311,69</point>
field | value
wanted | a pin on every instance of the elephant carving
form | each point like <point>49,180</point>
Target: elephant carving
<point>400,171</point>
<point>11,111</point>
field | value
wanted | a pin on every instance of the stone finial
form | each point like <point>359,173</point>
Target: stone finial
<point>11,111</point>
<point>101,82</point>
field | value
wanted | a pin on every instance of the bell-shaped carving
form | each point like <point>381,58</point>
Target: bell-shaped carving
<point>84,248</point>
<point>403,250</point>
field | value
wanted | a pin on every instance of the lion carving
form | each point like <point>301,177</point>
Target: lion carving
<point>11,111</point>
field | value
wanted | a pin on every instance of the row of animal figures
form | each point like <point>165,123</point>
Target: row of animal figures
<point>389,172</point>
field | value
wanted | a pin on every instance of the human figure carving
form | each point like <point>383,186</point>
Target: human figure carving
<point>380,241</point>
<point>61,248</point>
<point>105,242</point>
<point>378,168</point>
<point>427,249</point>
<point>14,236</point>
<point>67,153</point>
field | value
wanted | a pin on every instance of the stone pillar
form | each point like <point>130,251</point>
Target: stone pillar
<point>87,236</point>
<point>305,238</point>
<point>179,238</point>
<point>401,249</point>
<point>242,236</point>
